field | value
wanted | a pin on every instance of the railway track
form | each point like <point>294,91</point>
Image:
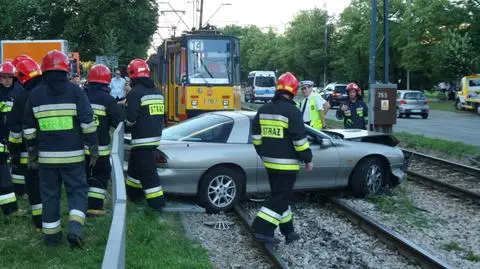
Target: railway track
<point>272,254</point>
<point>388,237</point>
<point>455,178</point>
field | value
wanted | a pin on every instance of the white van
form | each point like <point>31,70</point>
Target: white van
<point>260,86</point>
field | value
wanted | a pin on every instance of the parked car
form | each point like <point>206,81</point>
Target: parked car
<point>212,157</point>
<point>338,94</point>
<point>412,102</point>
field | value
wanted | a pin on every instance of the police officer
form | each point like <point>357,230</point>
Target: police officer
<point>29,75</point>
<point>8,91</point>
<point>280,138</point>
<point>354,113</point>
<point>58,119</point>
<point>107,113</point>
<point>313,107</point>
<point>145,110</point>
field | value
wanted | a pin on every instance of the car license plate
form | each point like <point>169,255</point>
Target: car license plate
<point>416,110</point>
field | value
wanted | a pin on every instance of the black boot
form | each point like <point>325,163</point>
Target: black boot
<point>53,240</point>
<point>74,240</point>
<point>266,239</point>
<point>291,237</point>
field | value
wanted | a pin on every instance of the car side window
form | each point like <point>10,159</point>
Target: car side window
<point>205,128</point>
<point>217,134</point>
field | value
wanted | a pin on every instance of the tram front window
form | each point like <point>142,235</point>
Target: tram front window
<point>209,61</point>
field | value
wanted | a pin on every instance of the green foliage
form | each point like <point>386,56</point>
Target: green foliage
<point>452,246</point>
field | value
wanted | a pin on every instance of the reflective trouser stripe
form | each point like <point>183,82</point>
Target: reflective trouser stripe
<point>37,210</point>
<point>268,218</point>
<point>286,216</point>
<point>18,179</point>
<point>96,193</point>
<point>51,227</point>
<point>30,133</point>
<point>77,215</point>
<point>7,198</point>
<point>153,192</point>
<point>135,183</point>
<point>15,138</point>
<point>3,148</point>
<point>24,158</point>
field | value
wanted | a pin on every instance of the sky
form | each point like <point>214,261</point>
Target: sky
<point>263,13</point>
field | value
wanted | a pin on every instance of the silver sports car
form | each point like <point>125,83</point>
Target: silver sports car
<point>212,157</point>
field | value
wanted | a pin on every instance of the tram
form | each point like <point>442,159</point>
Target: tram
<point>198,72</point>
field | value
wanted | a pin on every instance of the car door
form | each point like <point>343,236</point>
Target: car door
<point>325,163</point>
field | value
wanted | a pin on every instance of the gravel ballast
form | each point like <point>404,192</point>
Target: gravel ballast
<point>445,226</point>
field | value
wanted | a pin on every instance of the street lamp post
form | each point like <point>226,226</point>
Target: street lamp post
<point>221,5</point>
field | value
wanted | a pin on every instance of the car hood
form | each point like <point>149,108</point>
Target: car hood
<point>363,136</point>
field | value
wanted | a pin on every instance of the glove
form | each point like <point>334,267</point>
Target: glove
<point>93,155</point>
<point>32,158</point>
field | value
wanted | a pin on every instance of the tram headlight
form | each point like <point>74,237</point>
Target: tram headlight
<point>225,102</point>
<point>194,102</point>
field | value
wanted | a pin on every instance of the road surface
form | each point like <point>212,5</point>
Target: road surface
<point>461,127</point>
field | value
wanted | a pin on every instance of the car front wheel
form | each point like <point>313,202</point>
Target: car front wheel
<point>220,189</point>
<point>368,177</point>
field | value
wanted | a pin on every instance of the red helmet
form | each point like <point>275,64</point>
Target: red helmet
<point>99,73</point>
<point>353,86</point>
<point>55,60</point>
<point>20,58</point>
<point>287,82</point>
<point>26,70</point>
<point>138,68</point>
<point>7,69</point>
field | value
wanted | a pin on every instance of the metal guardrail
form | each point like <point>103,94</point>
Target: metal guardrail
<point>114,256</point>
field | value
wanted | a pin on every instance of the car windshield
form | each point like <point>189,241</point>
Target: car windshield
<point>262,81</point>
<point>341,89</point>
<point>209,61</point>
<point>204,128</point>
<point>414,96</point>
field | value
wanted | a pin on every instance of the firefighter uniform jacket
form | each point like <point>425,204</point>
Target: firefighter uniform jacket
<point>58,120</point>
<point>280,137</point>
<point>145,109</point>
<point>16,145</point>
<point>7,96</point>
<point>106,113</point>
<point>355,117</point>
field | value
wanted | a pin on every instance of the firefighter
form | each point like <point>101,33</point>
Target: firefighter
<point>145,110</point>
<point>107,113</point>
<point>8,91</point>
<point>58,119</point>
<point>354,113</point>
<point>11,88</point>
<point>313,107</point>
<point>280,138</point>
<point>29,75</point>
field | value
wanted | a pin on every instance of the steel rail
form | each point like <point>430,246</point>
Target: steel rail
<point>272,254</point>
<point>389,237</point>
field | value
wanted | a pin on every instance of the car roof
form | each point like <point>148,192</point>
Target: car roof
<point>405,91</point>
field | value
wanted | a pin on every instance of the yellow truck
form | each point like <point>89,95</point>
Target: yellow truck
<point>469,97</point>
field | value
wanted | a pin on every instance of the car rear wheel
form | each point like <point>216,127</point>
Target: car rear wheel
<point>399,115</point>
<point>220,189</point>
<point>368,177</point>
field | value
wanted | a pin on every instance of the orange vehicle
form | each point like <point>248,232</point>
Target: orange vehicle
<point>37,49</point>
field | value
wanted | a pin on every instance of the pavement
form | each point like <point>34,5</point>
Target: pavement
<point>461,127</point>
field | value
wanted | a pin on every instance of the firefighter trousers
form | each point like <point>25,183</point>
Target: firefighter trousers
<point>97,178</point>
<point>18,179</point>
<point>142,178</point>
<point>76,187</point>
<point>276,211</point>
<point>32,184</point>
<point>8,200</point>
